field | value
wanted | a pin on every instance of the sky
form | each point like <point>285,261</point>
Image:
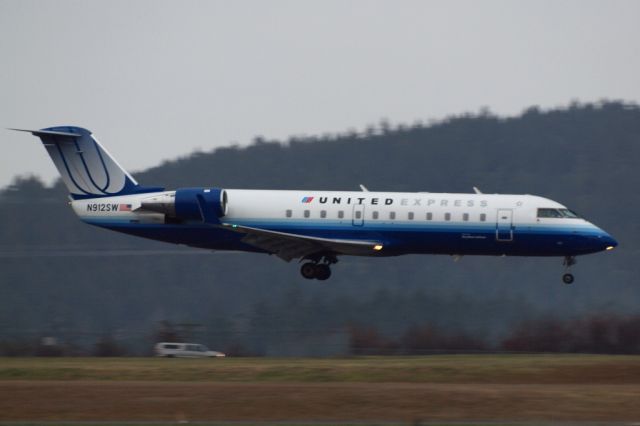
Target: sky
<point>157,79</point>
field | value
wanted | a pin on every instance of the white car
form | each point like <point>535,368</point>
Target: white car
<point>185,350</point>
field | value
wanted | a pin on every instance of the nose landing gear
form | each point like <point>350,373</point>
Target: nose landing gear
<point>569,261</point>
<point>318,268</point>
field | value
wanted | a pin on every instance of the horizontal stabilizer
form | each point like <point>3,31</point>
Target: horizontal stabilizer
<point>48,132</point>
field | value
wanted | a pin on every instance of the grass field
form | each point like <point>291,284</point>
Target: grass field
<point>503,388</point>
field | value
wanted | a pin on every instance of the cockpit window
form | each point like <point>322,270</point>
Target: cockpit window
<point>557,213</point>
<point>549,213</point>
<point>569,213</point>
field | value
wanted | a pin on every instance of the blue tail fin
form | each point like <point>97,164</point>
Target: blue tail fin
<point>86,168</point>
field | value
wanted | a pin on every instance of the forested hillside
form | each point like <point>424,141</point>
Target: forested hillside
<point>62,278</point>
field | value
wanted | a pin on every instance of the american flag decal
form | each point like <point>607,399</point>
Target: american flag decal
<point>307,200</point>
<point>124,207</point>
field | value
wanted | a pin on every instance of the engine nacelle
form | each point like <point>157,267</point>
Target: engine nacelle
<point>206,204</point>
<point>201,204</point>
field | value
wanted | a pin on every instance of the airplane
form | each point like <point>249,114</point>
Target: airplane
<point>315,226</point>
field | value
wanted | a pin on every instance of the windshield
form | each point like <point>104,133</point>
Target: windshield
<point>558,213</point>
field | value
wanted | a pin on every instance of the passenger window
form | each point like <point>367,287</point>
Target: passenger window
<point>447,216</point>
<point>307,213</point>
<point>374,215</point>
<point>340,214</point>
<point>483,217</point>
<point>429,216</point>
<point>289,213</point>
<point>410,215</point>
<point>392,215</point>
<point>323,213</point>
<point>465,217</point>
<point>358,214</point>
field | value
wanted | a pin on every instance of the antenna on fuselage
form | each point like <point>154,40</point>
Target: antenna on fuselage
<point>363,188</point>
<point>476,190</point>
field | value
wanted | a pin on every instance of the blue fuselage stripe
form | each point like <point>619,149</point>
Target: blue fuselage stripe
<point>398,237</point>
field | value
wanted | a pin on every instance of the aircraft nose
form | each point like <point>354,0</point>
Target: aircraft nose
<point>606,241</point>
<point>609,242</point>
<point>599,240</point>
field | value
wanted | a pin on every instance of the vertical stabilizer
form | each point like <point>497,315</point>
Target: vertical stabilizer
<point>86,168</point>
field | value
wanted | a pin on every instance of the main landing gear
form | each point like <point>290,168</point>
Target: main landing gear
<point>569,261</point>
<point>318,268</point>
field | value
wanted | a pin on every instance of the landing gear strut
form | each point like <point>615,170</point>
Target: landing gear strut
<point>318,268</point>
<point>568,278</point>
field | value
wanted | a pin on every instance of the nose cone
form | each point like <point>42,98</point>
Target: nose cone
<point>609,242</point>
<point>598,240</point>
<point>604,241</point>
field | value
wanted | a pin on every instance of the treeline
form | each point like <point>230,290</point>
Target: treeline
<point>417,340</point>
<point>597,334</point>
<point>104,346</point>
<point>609,334</point>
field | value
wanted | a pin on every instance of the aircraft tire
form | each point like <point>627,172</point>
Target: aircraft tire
<point>323,272</point>
<point>567,278</point>
<point>308,270</point>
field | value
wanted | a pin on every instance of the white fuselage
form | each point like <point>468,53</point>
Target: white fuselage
<point>404,222</point>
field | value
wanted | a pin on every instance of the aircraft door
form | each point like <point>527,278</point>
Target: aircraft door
<point>504,225</point>
<point>358,215</point>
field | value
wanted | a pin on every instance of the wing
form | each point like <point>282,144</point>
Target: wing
<point>292,246</point>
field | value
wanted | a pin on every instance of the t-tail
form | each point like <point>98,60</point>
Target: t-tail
<point>86,167</point>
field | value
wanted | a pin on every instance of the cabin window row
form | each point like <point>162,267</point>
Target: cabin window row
<point>375,215</point>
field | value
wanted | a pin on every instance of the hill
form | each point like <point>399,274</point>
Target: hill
<point>59,277</point>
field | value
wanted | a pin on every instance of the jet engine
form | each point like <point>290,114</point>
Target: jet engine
<point>189,204</point>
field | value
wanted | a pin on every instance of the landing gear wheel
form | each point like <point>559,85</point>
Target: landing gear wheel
<point>323,272</point>
<point>308,270</point>
<point>569,261</point>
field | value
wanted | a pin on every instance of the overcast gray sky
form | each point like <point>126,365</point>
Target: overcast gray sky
<point>156,79</point>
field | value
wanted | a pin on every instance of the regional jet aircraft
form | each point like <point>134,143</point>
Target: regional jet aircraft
<point>315,226</point>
